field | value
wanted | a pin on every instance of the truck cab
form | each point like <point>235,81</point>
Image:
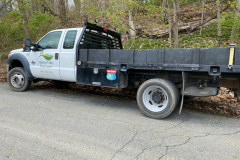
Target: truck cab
<point>56,56</point>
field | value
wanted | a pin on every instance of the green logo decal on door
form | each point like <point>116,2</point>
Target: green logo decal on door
<point>46,56</point>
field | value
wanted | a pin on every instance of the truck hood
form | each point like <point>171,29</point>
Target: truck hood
<point>16,51</point>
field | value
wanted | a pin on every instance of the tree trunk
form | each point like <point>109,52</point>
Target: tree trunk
<point>77,5</point>
<point>35,5</point>
<point>67,7</point>
<point>164,2</point>
<point>131,24</point>
<point>62,13</point>
<point>219,18</point>
<point>164,12</point>
<point>235,28</point>
<point>170,24</point>
<point>175,23</point>
<point>22,10</point>
<point>10,6</point>
<point>55,5</point>
<point>4,8</point>
<point>202,18</point>
<point>82,7</point>
<point>52,4</point>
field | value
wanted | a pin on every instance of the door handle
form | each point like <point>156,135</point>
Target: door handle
<point>56,56</point>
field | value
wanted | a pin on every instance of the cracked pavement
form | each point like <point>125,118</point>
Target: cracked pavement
<point>47,124</point>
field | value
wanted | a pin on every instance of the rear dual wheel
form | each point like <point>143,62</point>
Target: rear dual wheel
<point>157,98</point>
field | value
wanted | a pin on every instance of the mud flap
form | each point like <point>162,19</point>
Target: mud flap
<point>183,90</point>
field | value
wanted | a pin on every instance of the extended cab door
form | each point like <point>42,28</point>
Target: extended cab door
<point>68,55</point>
<point>44,63</point>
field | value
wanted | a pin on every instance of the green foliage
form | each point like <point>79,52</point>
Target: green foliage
<point>11,29</point>
<point>40,24</point>
<point>227,20</point>
<point>230,20</point>
<point>189,1</point>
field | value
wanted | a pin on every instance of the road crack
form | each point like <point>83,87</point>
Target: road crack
<point>226,134</point>
<point>144,149</point>
<point>173,146</point>
<point>190,138</point>
<point>158,145</point>
<point>119,150</point>
<point>166,152</point>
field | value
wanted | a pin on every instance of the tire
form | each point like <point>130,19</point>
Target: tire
<point>157,98</point>
<point>17,80</point>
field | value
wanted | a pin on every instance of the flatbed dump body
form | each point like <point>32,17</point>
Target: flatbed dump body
<point>196,59</point>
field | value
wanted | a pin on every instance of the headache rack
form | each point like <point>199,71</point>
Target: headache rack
<point>96,37</point>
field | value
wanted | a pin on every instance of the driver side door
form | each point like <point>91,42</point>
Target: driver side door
<point>44,63</point>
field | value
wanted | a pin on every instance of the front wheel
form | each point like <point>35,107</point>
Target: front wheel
<point>17,80</point>
<point>157,98</point>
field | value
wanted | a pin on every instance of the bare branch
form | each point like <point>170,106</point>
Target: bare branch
<point>201,24</point>
<point>5,5</point>
<point>47,8</point>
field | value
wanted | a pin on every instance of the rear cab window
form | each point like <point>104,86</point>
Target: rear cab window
<point>69,40</point>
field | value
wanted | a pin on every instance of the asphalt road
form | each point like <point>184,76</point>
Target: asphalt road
<point>48,124</point>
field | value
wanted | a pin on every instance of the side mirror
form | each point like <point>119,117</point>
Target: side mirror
<point>26,45</point>
<point>36,47</point>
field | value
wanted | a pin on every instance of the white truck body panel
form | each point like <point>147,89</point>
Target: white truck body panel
<point>67,59</point>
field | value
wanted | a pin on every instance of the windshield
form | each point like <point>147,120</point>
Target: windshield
<point>51,40</point>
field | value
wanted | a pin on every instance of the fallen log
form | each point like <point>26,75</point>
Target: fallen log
<point>183,28</point>
<point>162,33</point>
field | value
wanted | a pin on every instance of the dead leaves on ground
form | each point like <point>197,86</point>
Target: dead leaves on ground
<point>3,74</point>
<point>225,104</point>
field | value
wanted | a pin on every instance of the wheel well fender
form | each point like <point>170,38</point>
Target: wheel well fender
<point>18,60</point>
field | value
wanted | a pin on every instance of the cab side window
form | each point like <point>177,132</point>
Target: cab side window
<point>70,39</point>
<point>51,40</point>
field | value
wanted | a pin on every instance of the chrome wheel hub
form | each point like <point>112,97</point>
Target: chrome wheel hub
<point>155,98</point>
<point>17,80</point>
